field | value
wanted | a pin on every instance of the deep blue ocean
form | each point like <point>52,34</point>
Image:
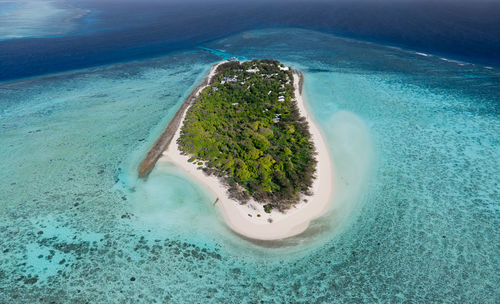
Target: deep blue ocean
<point>124,30</point>
<point>406,93</point>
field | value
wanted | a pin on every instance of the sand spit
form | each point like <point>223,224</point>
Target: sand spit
<point>166,137</point>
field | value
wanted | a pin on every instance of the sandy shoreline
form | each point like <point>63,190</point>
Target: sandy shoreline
<point>166,137</point>
<point>245,219</point>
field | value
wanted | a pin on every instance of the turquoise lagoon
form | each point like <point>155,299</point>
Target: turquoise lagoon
<point>415,217</point>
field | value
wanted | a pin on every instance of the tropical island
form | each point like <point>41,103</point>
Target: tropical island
<point>245,134</point>
<point>246,129</point>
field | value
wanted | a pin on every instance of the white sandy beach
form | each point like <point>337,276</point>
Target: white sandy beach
<point>245,219</point>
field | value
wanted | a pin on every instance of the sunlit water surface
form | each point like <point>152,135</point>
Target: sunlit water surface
<point>415,216</point>
<point>37,18</point>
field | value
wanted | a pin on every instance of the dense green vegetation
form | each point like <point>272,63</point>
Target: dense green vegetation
<point>246,128</point>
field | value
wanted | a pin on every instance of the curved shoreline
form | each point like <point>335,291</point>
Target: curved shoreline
<point>250,219</point>
<point>166,137</point>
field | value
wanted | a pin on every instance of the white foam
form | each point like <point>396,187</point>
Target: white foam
<point>422,54</point>
<point>461,63</point>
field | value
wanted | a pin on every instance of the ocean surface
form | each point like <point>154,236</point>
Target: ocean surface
<point>414,137</point>
<point>86,33</point>
<point>415,143</point>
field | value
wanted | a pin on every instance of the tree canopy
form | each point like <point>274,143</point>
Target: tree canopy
<point>246,129</point>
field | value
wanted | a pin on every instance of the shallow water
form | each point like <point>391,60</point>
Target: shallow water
<point>28,18</point>
<point>415,144</point>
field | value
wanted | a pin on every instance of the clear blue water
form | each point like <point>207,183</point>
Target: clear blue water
<point>415,143</point>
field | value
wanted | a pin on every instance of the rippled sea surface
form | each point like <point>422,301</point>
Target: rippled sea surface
<point>415,145</point>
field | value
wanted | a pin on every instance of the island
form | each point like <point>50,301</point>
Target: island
<point>246,129</point>
<point>245,134</point>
